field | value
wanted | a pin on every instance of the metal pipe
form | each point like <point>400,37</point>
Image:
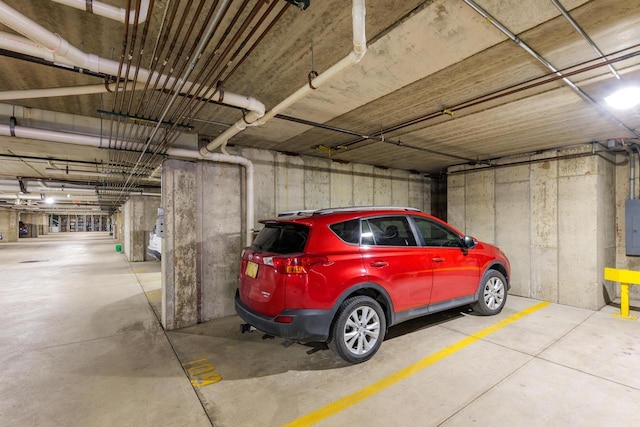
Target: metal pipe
<point>108,11</point>
<point>579,29</point>
<point>547,64</point>
<point>632,172</point>
<point>183,79</point>
<point>93,141</point>
<point>62,91</point>
<point>253,118</point>
<point>51,47</point>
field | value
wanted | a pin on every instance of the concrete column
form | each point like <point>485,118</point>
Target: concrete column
<point>180,285</point>
<point>43,223</point>
<point>544,230</point>
<point>118,227</point>
<point>139,214</point>
<point>512,223</point>
<point>8,226</point>
<point>220,220</point>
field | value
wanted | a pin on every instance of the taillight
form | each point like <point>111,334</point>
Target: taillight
<point>295,265</point>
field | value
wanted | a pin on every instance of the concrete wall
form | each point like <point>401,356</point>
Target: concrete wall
<point>204,209</point>
<point>553,218</point>
<point>139,215</point>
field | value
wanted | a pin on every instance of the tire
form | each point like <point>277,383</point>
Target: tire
<point>358,329</point>
<point>492,294</point>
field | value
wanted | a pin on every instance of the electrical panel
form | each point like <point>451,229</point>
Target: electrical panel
<point>160,226</point>
<point>632,228</point>
<point>160,223</point>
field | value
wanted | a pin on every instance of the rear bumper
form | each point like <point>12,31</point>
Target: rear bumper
<point>307,325</point>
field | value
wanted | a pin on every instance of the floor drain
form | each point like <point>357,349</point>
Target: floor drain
<point>35,260</point>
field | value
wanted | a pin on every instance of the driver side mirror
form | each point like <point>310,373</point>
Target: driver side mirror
<point>469,242</point>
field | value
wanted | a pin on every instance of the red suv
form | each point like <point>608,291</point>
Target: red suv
<point>345,275</point>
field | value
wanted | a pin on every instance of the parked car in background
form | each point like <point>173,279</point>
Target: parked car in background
<point>154,248</point>
<point>23,230</point>
<point>343,276</point>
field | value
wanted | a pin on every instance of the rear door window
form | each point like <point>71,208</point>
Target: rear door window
<point>389,231</point>
<point>281,238</point>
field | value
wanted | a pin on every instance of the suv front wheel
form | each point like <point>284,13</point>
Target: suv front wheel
<point>493,294</point>
<point>358,329</point>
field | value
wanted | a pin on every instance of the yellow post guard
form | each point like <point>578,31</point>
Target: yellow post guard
<point>625,278</point>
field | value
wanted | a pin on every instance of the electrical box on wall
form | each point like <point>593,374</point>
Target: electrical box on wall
<point>632,226</point>
<point>160,227</point>
<point>160,223</point>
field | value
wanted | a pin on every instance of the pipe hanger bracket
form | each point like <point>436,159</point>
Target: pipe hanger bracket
<point>12,125</point>
<point>312,75</point>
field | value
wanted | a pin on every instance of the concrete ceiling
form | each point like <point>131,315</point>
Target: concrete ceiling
<point>440,85</point>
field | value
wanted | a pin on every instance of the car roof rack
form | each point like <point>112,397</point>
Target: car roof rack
<point>296,212</point>
<point>365,208</point>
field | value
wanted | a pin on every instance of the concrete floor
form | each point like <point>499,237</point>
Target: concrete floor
<point>82,347</point>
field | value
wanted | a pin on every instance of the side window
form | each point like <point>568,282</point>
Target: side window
<point>349,231</point>
<point>389,231</point>
<point>435,234</point>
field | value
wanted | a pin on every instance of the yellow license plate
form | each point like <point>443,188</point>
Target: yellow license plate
<point>252,269</point>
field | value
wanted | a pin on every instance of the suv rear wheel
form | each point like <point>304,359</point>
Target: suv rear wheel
<point>493,294</point>
<point>358,329</point>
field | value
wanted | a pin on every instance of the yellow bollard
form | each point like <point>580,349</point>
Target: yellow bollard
<point>624,277</point>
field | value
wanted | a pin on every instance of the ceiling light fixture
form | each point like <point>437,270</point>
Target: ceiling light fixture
<point>625,98</point>
<point>49,200</point>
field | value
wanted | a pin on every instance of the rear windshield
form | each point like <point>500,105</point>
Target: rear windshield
<point>281,238</point>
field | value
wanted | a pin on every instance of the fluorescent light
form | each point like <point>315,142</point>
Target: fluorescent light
<point>624,98</point>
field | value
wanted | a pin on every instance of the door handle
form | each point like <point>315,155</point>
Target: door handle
<point>379,264</point>
<point>437,259</point>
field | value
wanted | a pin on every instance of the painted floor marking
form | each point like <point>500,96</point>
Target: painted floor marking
<point>360,395</point>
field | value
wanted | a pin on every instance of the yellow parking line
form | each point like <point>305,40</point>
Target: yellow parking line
<point>149,280</point>
<point>350,400</point>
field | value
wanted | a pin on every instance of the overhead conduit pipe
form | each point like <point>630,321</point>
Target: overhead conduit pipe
<point>632,174</point>
<point>493,21</point>
<point>47,45</point>
<point>254,118</point>
<point>43,43</point>
<point>108,11</point>
<point>55,92</point>
<point>579,29</point>
<point>95,141</point>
